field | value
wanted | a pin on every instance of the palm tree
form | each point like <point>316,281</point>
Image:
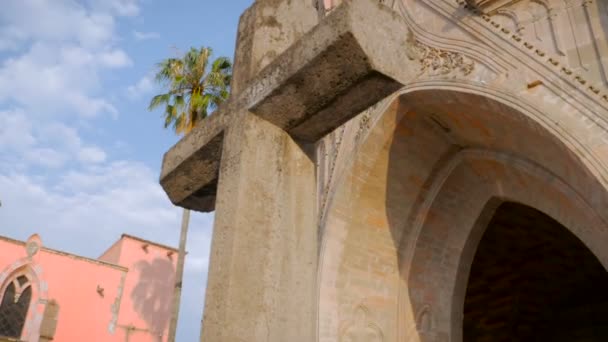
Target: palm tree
<point>196,86</point>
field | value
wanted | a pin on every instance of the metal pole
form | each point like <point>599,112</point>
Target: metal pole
<point>179,274</point>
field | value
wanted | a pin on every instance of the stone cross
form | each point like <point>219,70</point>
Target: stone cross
<point>298,75</point>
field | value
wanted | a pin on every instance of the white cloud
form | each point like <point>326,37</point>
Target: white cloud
<point>100,176</point>
<point>127,8</point>
<point>131,199</point>
<point>63,46</point>
<point>145,35</point>
<point>60,20</point>
<point>50,79</point>
<point>11,38</point>
<point>44,156</point>
<point>89,24</point>
<point>15,130</point>
<point>96,205</point>
<point>50,145</point>
<point>59,134</point>
<point>115,59</point>
<point>144,86</point>
<point>91,154</point>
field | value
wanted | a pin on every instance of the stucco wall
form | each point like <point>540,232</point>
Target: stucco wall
<point>98,301</point>
<point>112,254</point>
<point>148,291</point>
<point>72,282</point>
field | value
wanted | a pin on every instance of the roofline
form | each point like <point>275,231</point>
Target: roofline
<point>149,242</point>
<point>71,255</point>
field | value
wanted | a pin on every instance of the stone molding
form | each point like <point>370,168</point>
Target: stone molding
<point>435,61</point>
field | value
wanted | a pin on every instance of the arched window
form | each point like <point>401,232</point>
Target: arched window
<point>14,306</point>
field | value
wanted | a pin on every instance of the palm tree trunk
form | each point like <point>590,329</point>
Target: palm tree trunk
<point>179,274</point>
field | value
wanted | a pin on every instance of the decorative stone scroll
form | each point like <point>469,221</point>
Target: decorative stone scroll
<point>436,61</point>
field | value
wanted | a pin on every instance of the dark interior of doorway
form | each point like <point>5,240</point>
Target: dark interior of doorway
<point>533,280</point>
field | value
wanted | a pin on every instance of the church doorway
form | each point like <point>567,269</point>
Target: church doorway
<point>533,280</point>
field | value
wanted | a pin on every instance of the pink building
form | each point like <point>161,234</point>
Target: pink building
<point>125,295</point>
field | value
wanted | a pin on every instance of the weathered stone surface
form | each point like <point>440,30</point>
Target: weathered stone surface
<point>266,30</point>
<point>191,167</point>
<point>263,259</point>
<point>489,6</point>
<point>334,72</point>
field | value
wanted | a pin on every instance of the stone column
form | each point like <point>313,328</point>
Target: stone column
<point>264,253</point>
<point>48,325</point>
<point>263,262</point>
<point>266,29</point>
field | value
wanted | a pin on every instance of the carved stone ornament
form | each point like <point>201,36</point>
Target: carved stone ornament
<point>32,248</point>
<point>424,321</point>
<point>436,61</point>
<point>365,123</point>
<point>361,329</point>
<point>33,244</point>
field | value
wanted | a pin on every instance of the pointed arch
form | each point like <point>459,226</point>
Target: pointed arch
<point>16,299</point>
<point>39,294</point>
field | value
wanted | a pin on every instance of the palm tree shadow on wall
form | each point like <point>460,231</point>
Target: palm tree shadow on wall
<point>152,296</point>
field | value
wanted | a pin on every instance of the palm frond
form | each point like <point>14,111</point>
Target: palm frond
<point>222,64</point>
<point>159,100</point>
<point>178,123</point>
<point>168,70</point>
<point>169,115</point>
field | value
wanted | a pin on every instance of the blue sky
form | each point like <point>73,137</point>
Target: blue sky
<point>79,153</point>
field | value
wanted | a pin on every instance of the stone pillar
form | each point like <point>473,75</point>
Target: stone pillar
<point>266,29</point>
<point>263,260</point>
<point>263,263</point>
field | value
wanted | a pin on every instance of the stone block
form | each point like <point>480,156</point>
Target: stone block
<point>48,326</point>
<point>267,29</point>
<point>353,59</point>
<point>190,168</point>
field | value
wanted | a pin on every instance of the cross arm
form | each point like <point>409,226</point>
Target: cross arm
<point>190,168</point>
<point>351,60</point>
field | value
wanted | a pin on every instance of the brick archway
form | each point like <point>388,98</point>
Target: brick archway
<point>404,220</point>
<point>443,251</point>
